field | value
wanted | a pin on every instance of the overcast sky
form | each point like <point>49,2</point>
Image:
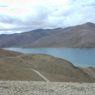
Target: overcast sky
<point>34,14</point>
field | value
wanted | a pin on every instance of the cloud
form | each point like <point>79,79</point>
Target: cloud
<point>36,14</point>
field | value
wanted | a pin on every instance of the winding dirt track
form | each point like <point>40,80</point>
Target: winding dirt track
<point>42,76</point>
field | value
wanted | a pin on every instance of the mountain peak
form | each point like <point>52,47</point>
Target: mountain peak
<point>90,24</point>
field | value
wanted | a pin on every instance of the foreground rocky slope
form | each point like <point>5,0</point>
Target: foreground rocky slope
<point>31,67</point>
<point>44,88</point>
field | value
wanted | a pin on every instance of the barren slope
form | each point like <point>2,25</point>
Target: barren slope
<point>54,69</point>
<point>80,36</point>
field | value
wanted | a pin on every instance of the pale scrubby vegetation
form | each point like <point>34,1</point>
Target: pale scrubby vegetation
<point>44,88</point>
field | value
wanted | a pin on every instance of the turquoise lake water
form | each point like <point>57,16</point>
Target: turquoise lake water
<point>77,56</point>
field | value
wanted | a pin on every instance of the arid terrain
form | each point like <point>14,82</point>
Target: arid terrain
<point>45,88</point>
<point>47,47</point>
<point>40,74</point>
<point>80,36</point>
<point>41,67</point>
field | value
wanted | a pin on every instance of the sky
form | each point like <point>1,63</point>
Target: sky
<point>22,15</point>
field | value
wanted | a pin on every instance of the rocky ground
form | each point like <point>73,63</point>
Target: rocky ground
<point>45,88</point>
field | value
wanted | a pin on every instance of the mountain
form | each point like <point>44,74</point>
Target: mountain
<point>80,36</point>
<point>21,67</point>
<point>8,40</point>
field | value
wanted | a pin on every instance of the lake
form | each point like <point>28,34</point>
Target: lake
<point>79,57</point>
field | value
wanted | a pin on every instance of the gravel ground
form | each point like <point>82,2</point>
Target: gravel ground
<point>45,88</point>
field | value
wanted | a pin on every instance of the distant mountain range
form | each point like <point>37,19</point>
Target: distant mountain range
<point>17,66</point>
<point>80,36</point>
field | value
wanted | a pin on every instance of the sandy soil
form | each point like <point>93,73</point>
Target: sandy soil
<point>45,88</point>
